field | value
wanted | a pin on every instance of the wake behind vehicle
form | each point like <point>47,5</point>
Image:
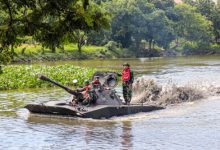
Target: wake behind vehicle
<point>108,103</point>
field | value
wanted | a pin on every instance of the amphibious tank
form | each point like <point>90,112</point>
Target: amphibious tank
<point>108,103</point>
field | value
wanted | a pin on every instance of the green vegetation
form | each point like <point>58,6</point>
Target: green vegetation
<point>51,23</point>
<point>119,28</point>
<point>25,76</point>
<point>142,25</point>
<point>35,52</point>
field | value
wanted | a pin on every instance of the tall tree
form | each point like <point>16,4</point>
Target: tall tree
<point>205,7</point>
<point>211,11</point>
<point>47,21</point>
<point>216,23</point>
<point>96,19</point>
<point>12,26</point>
<point>66,18</point>
<point>129,20</point>
<point>191,25</point>
<point>160,29</point>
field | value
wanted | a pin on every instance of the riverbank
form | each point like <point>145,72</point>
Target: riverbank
<point>27,53</point>
<point>35,53</point>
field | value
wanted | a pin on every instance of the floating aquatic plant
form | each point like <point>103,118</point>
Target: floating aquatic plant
<point>25,76</point>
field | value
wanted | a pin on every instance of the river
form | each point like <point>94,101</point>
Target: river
<point>190,125</point>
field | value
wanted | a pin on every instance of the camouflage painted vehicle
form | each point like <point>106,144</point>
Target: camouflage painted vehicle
<point>108,103</point>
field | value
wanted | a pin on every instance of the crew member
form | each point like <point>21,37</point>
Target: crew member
<point>127,80</point>
<point>86,95</point>
<point>96,83</point>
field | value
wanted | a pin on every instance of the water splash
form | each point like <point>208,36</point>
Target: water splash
<point>150,92</point>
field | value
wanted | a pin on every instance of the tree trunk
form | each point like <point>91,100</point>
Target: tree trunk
<point>12,49</point>
<point>62,48</point>
<point>79,47</point>
<point>53,49</point>
<point>1,71</point>
<point>137,47</point>
<point>150,44</point>
<point>42,50</point>
<point>153,44</point>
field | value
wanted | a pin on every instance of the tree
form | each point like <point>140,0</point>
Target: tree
<point>129,20</point>
<point>192,25</point>
<point>99,37</point>
<point>190,2</point>
<point>96,19</point>
<point>12,26</point>
<point>211,11</point>
<point>47,21</point>
<point>137,20</point>
<point>205,7</point>
<point>80,38</point>
<point>161,4</point>
<point>160,29</point>
<point>216,23</point>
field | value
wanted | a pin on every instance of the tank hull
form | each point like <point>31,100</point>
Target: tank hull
<point>94,112</point>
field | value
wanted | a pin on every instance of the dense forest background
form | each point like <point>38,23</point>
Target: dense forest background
<point>127,28</point>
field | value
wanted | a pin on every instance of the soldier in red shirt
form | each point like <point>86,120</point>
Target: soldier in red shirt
<point>86,96</point>
<point>96,83</point>
<point>127,80</point>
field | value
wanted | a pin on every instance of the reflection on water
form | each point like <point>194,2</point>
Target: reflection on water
<point>186,126</point>
<point>126,137</point>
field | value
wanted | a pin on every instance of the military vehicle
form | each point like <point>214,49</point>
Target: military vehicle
<point>108,103</point>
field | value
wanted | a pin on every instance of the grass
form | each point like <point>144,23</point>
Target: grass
<point>35,48</point>
<point>25,76</point>
<point>34,52</point>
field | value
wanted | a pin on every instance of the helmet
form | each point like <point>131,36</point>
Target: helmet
<point>96,77</point>
<point>86,82</point>
<point>126,64</point>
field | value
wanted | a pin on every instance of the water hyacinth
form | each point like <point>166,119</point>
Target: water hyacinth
<point>25,76</point>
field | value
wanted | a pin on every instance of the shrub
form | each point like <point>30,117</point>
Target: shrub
<point>112,45</point>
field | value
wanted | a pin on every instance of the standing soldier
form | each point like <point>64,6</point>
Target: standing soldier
<point>127,80</point>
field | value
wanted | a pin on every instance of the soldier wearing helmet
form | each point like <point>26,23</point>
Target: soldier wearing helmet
<point>87,96</point>
<point>127,80</point>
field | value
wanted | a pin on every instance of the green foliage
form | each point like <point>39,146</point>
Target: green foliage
<point>189,48</point>
<point>69,20</point>
<point>112,45</point>
<point>99,38</point>
<point>205,7</point>
<point>5,56</point>
<point>216,23</point>
<point>48,22</point>
<point>192,25</point>
<point>56,23</point>
<point>129,20</point>
<point>34,52</point>
<point>134,21</point>
<point>160,29</point>
<point>215,48</point>
<point>211,11</point>
<point>24,76</point>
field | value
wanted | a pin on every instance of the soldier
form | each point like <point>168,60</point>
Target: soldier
<point>96,83</point>
<point>87,95</point>
<point>127,80</point>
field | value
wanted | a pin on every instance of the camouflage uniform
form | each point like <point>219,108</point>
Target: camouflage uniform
<point>91,99</point>
<point>87,98</point>
<point>127,91</point>
<point>127,88</point>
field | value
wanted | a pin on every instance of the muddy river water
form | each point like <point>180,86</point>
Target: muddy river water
<point>190,125</point>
